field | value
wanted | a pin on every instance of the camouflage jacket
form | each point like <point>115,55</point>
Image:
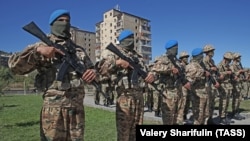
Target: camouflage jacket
<point>223,68</point>
<point>28,60</point>
<point>235,67</point>
<point>163,69</point>
<point>122,77</point>
<point>195,74</point>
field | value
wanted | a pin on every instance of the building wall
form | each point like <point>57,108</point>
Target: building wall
<point>114,21</point>
<point>85,39</point>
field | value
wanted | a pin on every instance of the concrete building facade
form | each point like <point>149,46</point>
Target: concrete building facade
<point>85,39</point>
<point>114,21</point>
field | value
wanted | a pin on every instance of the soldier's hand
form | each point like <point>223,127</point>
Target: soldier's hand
<point>89,75</point>
<point>207,73</point>
<point>213,68</point>
<point>242,71</point>
<point>150,78</point>
<point>175,70</point>
<point>217,85</point>
<point>229,72</point>
<point>187,85</point>
<point>221,77</point>
<point>48,51</point>
<point>122,63</point>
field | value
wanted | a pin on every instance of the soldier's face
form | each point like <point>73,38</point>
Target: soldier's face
<point>227,61</point>
<point>211,53</point>
<point>239,59</point>
<point>173,51</point>
<point>185,60</point>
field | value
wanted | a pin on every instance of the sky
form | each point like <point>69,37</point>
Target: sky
<point>193,23</point>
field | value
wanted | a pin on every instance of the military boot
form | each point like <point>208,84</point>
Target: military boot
<point>157,114</point>
<point>210,121</point>
<point>225,121</point>
<point>237,116</point>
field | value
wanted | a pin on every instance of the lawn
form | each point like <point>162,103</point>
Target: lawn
<point>19,119</point>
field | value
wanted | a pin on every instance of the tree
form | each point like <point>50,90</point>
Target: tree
<point>5,78</point>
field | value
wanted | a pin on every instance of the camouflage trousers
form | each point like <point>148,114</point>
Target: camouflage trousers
<point>62,116</point>
<point>129,113</point>
<point>225,95</point>
<point>212,93</point>
<point>236,97</point>
<point>200,105</point>
<point>182,105</point>
<point>170,105</point>
<point>157,99</point>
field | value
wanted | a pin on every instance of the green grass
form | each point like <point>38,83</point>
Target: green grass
<point>19,119</point>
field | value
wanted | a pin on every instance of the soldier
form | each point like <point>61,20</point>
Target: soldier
<point>130,102</point>
<point>96,92</point>
<point>225,90</point>
<point>197,76</point>
<point>212,90</point>
<point>169,70</point>
<point>106,74</point>
<point>62,113</point>
<point>186,96</point>
<point>148,96</point>
<point>245,85</point>
<point>157,95</point>
<point>238,70</point>
<point>248,83</point>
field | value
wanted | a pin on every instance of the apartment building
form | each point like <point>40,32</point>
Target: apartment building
<point>114,21</point>
<point>85,39</point>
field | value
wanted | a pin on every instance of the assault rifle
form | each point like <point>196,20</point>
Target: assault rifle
<point>211,78</point>
<point>181,75</point>
<point>135,65</point>
<point>242,74</point>
<point>68,60</point>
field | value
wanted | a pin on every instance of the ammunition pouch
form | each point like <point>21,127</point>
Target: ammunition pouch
<point>45,79</point>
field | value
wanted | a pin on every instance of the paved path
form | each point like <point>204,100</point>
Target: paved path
<point>89,101</point>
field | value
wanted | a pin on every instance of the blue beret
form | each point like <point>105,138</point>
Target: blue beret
<point>57,14</point>
<point>171,43</point>
<point>197,51</point>
<point>124,34</point>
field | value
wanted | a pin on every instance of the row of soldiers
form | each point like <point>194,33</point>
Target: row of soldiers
<point>223,81</point>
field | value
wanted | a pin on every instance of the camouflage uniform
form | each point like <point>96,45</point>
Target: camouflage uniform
<point>212,91</point>
<point>130,101</point>
<point>172,88</point>
<point>157,95</point>
<point>148,93</point>
<point>237,86</point>
<point>62,114</point>
<point>248,84</point>
<point>185,98</point>
<point>106,79</point>
<point>195,75</point>
<point>225,90</point>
